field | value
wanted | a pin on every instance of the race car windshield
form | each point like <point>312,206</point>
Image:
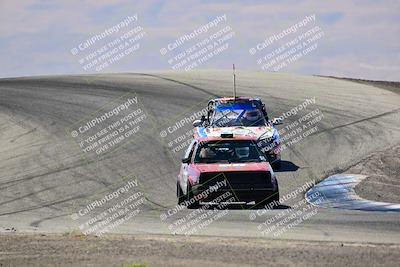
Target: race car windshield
<point>228,151</point>
<point>238,115</point>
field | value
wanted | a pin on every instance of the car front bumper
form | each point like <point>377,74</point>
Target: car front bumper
<point>234,194</point>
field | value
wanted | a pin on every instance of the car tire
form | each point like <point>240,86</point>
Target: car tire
<point>189,196</point>
<point>261,203</point>
<point>275,197</point>
<point>179,193</point>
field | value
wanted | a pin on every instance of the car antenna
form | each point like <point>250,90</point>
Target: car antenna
<point>234,82</point>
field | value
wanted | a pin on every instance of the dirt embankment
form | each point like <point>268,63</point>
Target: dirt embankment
<point>383,181</point>
<point>140,251</point>
<point>387,85</point>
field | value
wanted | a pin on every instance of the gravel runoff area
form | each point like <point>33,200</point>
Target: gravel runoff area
<point>141,251</point>
<point>383,181</point>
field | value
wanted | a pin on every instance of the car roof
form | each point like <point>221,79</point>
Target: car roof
<point>239,98</point>
<point>217,138</point>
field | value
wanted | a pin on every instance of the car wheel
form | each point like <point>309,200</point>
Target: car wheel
<point>260,204</point>
<point>275,197</point>
<point>179,193</point>
<point>192,203</point>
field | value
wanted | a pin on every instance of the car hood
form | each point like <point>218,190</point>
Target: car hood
<point>229,167</point>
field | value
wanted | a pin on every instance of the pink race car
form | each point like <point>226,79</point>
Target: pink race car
<point>219,163</point>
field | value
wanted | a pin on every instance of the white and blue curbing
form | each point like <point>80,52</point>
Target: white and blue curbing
<point>337,191</point>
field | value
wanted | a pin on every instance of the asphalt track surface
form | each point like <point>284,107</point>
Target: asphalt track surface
<point>44,179</point>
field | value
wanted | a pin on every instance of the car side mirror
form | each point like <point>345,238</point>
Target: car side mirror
<point>197,123</point>
<point>277,121</point>
<point>186,160</point>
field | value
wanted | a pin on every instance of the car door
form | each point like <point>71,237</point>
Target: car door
<point>185,166</point>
